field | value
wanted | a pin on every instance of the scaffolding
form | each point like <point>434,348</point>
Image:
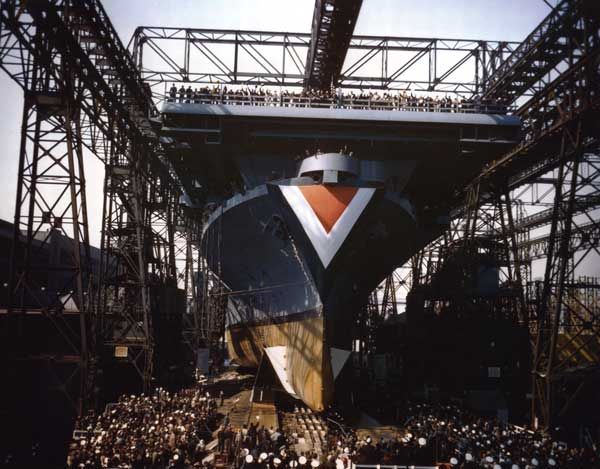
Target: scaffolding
<point>85,94</point>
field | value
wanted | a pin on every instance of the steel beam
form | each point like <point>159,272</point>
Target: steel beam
<point>561,38</point>
<point>72,66</point>
<point>208,57</point>
<point>50,262</point>
<point>332,27</point>
<point>556,89</point>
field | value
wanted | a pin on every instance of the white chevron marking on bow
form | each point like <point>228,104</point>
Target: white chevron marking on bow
<point>327,244</point>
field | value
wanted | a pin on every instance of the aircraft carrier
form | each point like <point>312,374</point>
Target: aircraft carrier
<point>301,241</point>
<point>278,205</point>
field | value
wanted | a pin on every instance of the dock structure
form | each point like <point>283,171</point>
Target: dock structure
<point>494,178</point>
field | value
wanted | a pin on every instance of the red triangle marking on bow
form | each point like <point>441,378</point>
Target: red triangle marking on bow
<point>328,202</point>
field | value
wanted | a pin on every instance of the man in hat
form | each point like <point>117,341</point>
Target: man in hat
<point>221,439</point>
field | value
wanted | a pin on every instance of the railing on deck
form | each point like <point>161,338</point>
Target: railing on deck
<point>342,102</point>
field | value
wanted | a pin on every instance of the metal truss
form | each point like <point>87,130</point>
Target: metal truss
<point>227,57</point>
<point>586,238</point>
<point>446,271</point>
<point>124,308</point>
<point>213,297</point>
<point>567,329</point>
<point>162,224</point>
<point>562,232</point>
<point>565,107</point>
<point>539,204</point>
<point>187,258</point>
<point>559,40</point>
<point>50,262</point>
<point>561,310</point>
<point>332,26</point>
<point>83,95</point>
<point>381,305</point>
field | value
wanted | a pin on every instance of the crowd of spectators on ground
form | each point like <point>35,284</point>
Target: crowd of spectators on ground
<point>388,100</point>
<point>448,435</point>
<point>174,430</point>
<point>253,445</point>
<point>155,432</point>
<point>441,435</point>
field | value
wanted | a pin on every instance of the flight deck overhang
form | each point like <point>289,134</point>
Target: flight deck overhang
<point>223,147</point>
<point>369,115</point>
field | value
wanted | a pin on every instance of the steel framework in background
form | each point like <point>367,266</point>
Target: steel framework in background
<point>558,94</point>
<point>50,217</point>
<point>332,27</point>
<point>83,95</point>
<point>560,138</point>
<point>550,225</point>
<point>560,63</point>
<point>447,270</point>
<point>50,259</point>
<point>561,37</point>
<point>566,328</point>
<point>201,57</point>
<point>213,296</point>
<point>561,309</point>
<point>93,97</point>
<point>187,257</point>
<point>382,304</point>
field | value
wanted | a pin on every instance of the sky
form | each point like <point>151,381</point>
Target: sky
<point>509,20</point>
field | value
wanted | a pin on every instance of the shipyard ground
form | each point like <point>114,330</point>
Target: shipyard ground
<point>268,405</point>
<point>416,434</point>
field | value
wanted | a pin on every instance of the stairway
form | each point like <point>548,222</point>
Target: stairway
<point>307,428</point>
<point>238,407</point>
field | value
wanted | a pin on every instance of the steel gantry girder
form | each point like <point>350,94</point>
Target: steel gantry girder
<point>210,57</point>
<point>567,105</point>
<point>50,263</point>
<point>82,89</point>
<point>560,39</point>
<point>556,89</point>
<point>332,27</point>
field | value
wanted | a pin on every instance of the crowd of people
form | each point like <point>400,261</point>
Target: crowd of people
<point>175,431</point>
<point>446,434</point>
<point>260,96</point>
<point>253,446</point>
<point>440,435</point>
<point>155,432</point>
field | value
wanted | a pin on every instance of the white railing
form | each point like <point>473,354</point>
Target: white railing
<point>342,102</point>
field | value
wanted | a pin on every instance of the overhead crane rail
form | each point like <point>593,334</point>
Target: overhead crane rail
<point>566,105</point>
<point>332,27</point>
<point>558,36</point>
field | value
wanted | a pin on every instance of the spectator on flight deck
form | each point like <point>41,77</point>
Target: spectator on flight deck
<point>172,93</point>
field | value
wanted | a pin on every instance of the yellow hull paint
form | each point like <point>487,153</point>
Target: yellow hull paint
<point>308,360</point>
